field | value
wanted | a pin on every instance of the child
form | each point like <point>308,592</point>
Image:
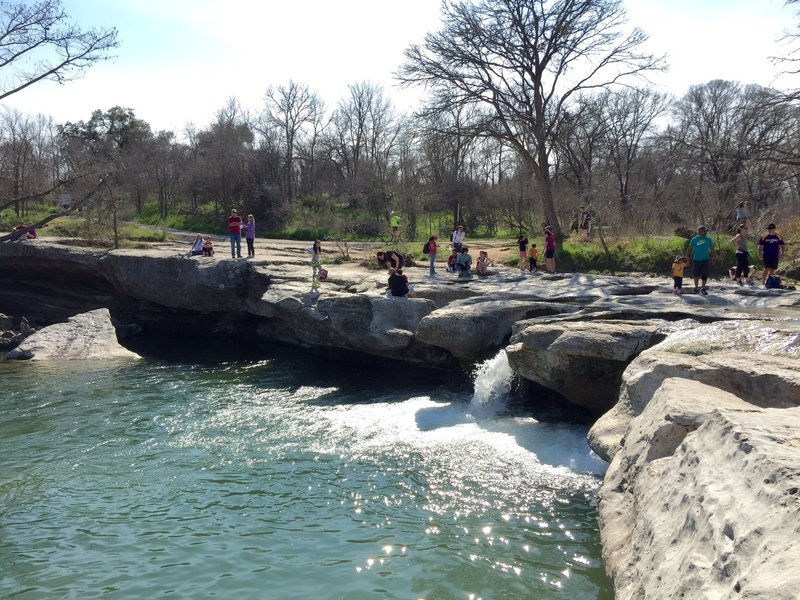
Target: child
<point>534,256</point>
<point>483,262</point>
<point>677,274</point>
<point>250,235</point>
<point>197,246</point>
<point>451,261</point>
<point>208,246</point>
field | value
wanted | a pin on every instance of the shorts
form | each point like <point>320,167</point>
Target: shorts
<point>523,255</point>
<point>549,253</point>
<point>770,263</point>
<point>701,268</point>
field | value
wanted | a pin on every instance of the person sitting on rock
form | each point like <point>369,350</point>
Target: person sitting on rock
<point>197,246</point>
<point>464,263</point>
<point>398,285</point>
<point>390,259</point>
<point>208,246</point>
<point>31,235</point>
<point>482,263</point>
<point>451,261</point>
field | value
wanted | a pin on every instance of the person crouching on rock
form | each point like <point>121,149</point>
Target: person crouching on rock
<point>390,259</point>
<point>464,263</point>
<point>398,285</point>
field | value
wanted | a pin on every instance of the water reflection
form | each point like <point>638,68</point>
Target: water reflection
<point>198,480</point>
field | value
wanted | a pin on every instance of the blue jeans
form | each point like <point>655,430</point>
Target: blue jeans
<point>236,245</point>
<point>433,263</point>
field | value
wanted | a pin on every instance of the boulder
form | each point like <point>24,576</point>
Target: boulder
<point>756,361</point>
<point>89,335</point>
<point>581,360</point>
<point>702,500</point>
<point>196,283</point>
<point>474,326</point>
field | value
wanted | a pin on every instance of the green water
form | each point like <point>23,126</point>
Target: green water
<point>280,479</point>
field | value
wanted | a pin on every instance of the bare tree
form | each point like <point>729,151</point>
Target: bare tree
<point>38,42</point>
<point>628,117</point>
<point>524,60</point>
<point>289,109</point>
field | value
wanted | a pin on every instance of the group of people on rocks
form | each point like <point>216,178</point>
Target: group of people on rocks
<point>204,245</point>
<point>529,257</point>
<point>770,249</point>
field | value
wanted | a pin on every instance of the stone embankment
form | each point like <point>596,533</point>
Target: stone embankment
<point>697,397</point>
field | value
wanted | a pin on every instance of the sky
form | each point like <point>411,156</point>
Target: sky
<point>180,61</point>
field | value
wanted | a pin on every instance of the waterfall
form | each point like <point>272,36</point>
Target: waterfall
<point>492,385</point>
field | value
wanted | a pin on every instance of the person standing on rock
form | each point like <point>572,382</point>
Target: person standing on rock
<point>235,233</point>
<point>522,242</point>
<point>700,252</point>
<point>250,236</point>
<point>742,255</point>
<point>432,248</point>
<point>316,263</point>
<point>458,238</point>
<point>770,249</point>
<point>549,250</point>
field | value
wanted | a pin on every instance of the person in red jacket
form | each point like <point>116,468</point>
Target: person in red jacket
<point>235,233</point>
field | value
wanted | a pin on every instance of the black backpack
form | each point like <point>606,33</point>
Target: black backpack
<point>426,248</point>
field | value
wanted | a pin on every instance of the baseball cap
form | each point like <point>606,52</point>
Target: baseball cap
<point>679,257</point>
<point>702,228</point>
<point>771,226</point>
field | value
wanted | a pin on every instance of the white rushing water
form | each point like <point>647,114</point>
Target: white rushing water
<point>492,385</point>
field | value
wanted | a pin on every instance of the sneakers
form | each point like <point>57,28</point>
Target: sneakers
<point>703,291</point>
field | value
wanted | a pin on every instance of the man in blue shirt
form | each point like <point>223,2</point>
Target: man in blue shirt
<point>770,249</point>
<point>700,254</point>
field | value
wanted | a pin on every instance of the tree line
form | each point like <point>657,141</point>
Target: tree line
<point>533,110</point>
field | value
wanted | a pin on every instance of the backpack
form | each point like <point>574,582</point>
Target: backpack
<point>773,283</point>
<point>426,249</point>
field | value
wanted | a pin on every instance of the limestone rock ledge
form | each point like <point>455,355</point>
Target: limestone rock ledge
<point>757,361</point>
<point>88,336</point>
<point>582,360</point>
<point>703,499</point>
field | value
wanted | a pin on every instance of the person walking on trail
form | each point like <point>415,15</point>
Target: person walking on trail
<point>700,254</point>
<point>458,238</point>
<point>235,233</point>
<point>770,249</point>
<point>316,263</point>
<point>549,250</point>
<point>432,247</point>
<point>742,255</point>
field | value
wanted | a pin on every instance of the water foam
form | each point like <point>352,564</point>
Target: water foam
<point>492,386</point>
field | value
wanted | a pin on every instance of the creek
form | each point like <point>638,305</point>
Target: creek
<point>288,477</point>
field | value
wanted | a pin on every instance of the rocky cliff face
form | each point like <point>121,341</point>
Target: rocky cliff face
<point>703,499</point>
